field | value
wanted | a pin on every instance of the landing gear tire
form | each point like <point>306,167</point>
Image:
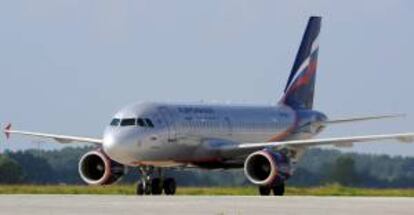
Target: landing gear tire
<point>169,186</point>
<point>156,186</point>
<point>143,189</point>
<point>279,190</point>
<point>148,185</point>
<point>140,189</point>
<point>264,190</point>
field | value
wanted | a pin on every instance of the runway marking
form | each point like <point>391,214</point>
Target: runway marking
<point>112,204</point>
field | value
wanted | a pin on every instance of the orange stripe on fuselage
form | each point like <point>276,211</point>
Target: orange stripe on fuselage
<point>284,134</point>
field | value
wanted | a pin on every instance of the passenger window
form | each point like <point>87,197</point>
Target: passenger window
<point>115,122</point>
<point>141,122</point>
<point>128,122</point>
<point>149,123</point>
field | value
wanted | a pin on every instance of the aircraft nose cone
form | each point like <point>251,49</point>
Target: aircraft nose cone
<point>117,148</point>
<point>108,142</point>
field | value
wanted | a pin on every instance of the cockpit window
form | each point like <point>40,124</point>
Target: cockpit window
<point>149,123</point>
<point>140,122</point>
<point>128,122</point>
<point>115,122</point>
<point>145,122</point>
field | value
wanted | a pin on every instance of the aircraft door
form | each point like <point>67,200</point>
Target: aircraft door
<point>228,126</point>
<point>170,125</point>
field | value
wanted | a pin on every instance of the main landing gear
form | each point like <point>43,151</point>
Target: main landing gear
<point>155,186</point>
<point>278,190</point>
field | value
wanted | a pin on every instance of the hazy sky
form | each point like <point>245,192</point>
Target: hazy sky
<point>67,66</point>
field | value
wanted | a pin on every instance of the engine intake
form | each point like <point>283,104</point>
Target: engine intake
<point>266,168</point>
<point>96,168</point>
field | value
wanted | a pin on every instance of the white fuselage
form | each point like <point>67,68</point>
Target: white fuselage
<point>182,134</point>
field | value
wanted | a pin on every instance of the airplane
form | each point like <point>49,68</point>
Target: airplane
<point>266,141</point>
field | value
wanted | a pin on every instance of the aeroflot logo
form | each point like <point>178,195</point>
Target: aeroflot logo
<point>195,110</point>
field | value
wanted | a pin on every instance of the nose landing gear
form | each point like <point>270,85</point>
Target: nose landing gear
<point>155,186</point>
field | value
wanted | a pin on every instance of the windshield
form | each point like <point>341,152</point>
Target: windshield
<point>115,122</point>
<point>140,122</point>
<point>128,122</point>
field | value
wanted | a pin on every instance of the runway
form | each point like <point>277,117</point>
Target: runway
<point>220,205</point>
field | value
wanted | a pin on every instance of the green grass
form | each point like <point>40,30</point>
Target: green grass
<point>331,190</point>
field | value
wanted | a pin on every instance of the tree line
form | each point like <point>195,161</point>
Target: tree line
<point>317,167</point>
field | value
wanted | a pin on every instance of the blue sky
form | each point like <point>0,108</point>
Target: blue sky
<point>67,66</point>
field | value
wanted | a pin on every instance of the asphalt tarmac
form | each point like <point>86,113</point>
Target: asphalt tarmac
<point>220,205</point>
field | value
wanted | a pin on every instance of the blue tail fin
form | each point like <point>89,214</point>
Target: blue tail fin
<point>300,87</point>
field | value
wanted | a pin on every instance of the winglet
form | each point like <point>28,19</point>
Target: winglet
<point>7,130</point>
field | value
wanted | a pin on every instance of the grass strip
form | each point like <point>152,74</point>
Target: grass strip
<point>329,190</point>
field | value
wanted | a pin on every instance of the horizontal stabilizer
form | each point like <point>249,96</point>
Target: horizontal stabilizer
<point>366,118</point>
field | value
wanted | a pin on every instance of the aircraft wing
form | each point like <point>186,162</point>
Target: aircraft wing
<point>59,138</point>
<point>341,141</point>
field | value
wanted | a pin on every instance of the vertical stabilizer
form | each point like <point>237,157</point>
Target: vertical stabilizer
<point>300,87</point>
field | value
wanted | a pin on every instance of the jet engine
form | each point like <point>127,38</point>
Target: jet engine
<point>96,168</point>
<point>267,168</point>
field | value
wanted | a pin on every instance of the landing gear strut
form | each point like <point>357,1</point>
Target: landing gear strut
<point>155,186</point>
<point>278,190</point>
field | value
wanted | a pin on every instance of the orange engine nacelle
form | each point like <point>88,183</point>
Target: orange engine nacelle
<point>266,168</point>
<point>96,168</point>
